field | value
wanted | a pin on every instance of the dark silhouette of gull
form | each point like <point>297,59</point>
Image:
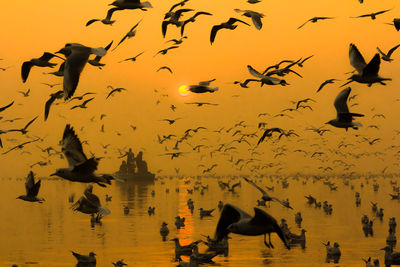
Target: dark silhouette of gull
<point>90,203</point>
<point>53,97</point>
<point>32,189</point>
<point>77,56</point>
<point>25,129</point>
<point>81,169</point>
<point>83,105</point>
<point>265,196</point>
<point>85,260</point>
<point>329,81</point>
<point>131,33</point>
<point>246,82</point>
<point>170,11</point>
<point>225,25</point>
<point>200,104</point>
<point>266,79</point>
<point>51,85</point>
<point>255,17</point>
<point>165,51</point>
<point>43,61</point>
<point>314,20</point>
<point>131,58</point>
<point>82,96</point>
<point>344,119</point>
<point>114,90</point>
<point>203,87</point>
<point>6,106</point>
<point>386,57</point>
<point>268,133</point>
<point>372,15</point>
<point>25,94</point>
<point>173,19</point>
<point>119,263</point>
<point>59,72</point>
<point>235,220</point>
<point>106,21</point>
<point>21,146</point>
<point>193,19</point>
<point>367,73</point>
<point>165,68</point>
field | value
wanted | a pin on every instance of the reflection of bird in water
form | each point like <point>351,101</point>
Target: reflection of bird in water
<point>89,203</point>
<point>234,220</point>
<point>32,189</point>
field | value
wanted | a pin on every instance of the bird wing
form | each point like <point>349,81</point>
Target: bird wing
<point>322,86</point>
<point>255,73</point>
<point>230,214</point>
<point>87,101</point>
<point>372,68</point>
<point>256,186</point>
<point>381,12</point>
<point>256,18</point>
<point>126,35</point>
<point>303,24</point>
<point>380,51</point>
<point>74,65</point>
<point>30,182</point>
<point>91,22</point>
<point>111,11</point>
<point>214,31</point>
<point>341,101</point>
<point>6,107</point>
<point>164,26</point>
<point>92,198</point>
<point>392,50</point>
<point>282,203</point>
<point>356,59</point>
<point>30,122</point>
<point>49,102</point>
<point>206,83</point>
<point>46,56</point>
<point>233,20</point>
<point>72,147</point>
<point>25,69</point>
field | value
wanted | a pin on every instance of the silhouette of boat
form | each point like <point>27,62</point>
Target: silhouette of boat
<point>134,169</point>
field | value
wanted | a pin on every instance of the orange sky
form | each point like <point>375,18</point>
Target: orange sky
<point>31,28</point>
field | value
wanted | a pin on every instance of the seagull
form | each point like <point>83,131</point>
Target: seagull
<point>386,57</point>
<point>131,33</point>
<point>314,20</point>
<point>81,169</point>
<point>51,85</point>
<point>106,21</point>
<point>77,56</point>
<point>170,11</point>
<point>20,146</point>
<point>268,133</point>
<point>176,41</point>
<point>203,87</point>
<point>90,203</point>
<point>244,84</point>
<point>53,97</point>
<point>113,90</point>
<point>367,73</point>
<point>25,94</point>
<point>43,61</point>
<point>165,68</point>
<point>82,96</point>
<point>225,25</point>
<point>131,58</point>
<point>265,196</point>
<point>165,51</point>
<point>372,15</point>
<point>396,24</point>
<point>193,19</point>
<point>6,107</point>
<point>32,189</point>
<point>85,259</point>
<point>325,83</point>
<point>24,130</point>
<point>199,104</point>
<point>131,4</point>
<point>266,79</point>
<point>255,17</point>
<point>83,105</point>
<point>171,121</point>
<point>96,61</point>
<point>344,118</point>
<point>173,19</point>
<point>235,220</point>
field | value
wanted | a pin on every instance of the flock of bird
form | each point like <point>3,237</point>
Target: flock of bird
<point>81,168</point>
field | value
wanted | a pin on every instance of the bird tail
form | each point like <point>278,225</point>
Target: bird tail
<point>147,4</point>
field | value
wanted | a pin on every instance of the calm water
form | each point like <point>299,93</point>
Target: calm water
<point>34,234</point>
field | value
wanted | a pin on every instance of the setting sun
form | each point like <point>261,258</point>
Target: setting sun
<point>183,90</point>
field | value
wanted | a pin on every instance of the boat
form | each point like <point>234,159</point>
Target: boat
<point>134,169</point>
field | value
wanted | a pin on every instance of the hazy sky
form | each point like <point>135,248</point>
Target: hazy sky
<point>33,27</point>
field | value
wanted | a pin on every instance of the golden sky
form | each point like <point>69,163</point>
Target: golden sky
<point>33,27</point>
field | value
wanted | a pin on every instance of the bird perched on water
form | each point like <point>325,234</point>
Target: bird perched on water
<point>344,119</point>
<point>386,57</point>
<point>32,189</point>
<point>225,25</point>
<point>43,61</point>
<point>131,33</point>
<point>372,15</point>
<point>203,87</point>
<point>367,73</point>
<point>255,17</point>
<point>81,169</point>
<point>89,203</point>
<point>193,19</point>
<point>119,263</point>
<point>314,20</point>
<point>77,56</point>
<point>235,220</point>
<point>84,260</point>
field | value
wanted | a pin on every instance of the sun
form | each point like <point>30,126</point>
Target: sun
<point>183,90</point>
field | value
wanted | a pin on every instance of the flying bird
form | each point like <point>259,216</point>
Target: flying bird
<point>32,189</point>
<point>21,146</point>
<point>200,104</point>
<point>266,79</point>
<point>174,17</point>
<point>367,73</point>
<point>81,169</point>
<point>132,58</point>
<point>89,203</point>
<point>106,21</point>
<point>225,25</point>
<point>131,33</point>
<point>203,87</point>
<point>53,97</point>
<point>43,61</point>
<point>83,105</point>
<point>165,68</point>
<point>114,90</point>
<point>386,57</point>
<point>314,20</point>
<point>25,94</point>
<point>24,130</point>
<point>344,119</point>
<point>193,19</point>
<point>165,51</point>
<point>6,107</point>
<point>372,15</point>
<point>329,81</point>
<point>255,17</point>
